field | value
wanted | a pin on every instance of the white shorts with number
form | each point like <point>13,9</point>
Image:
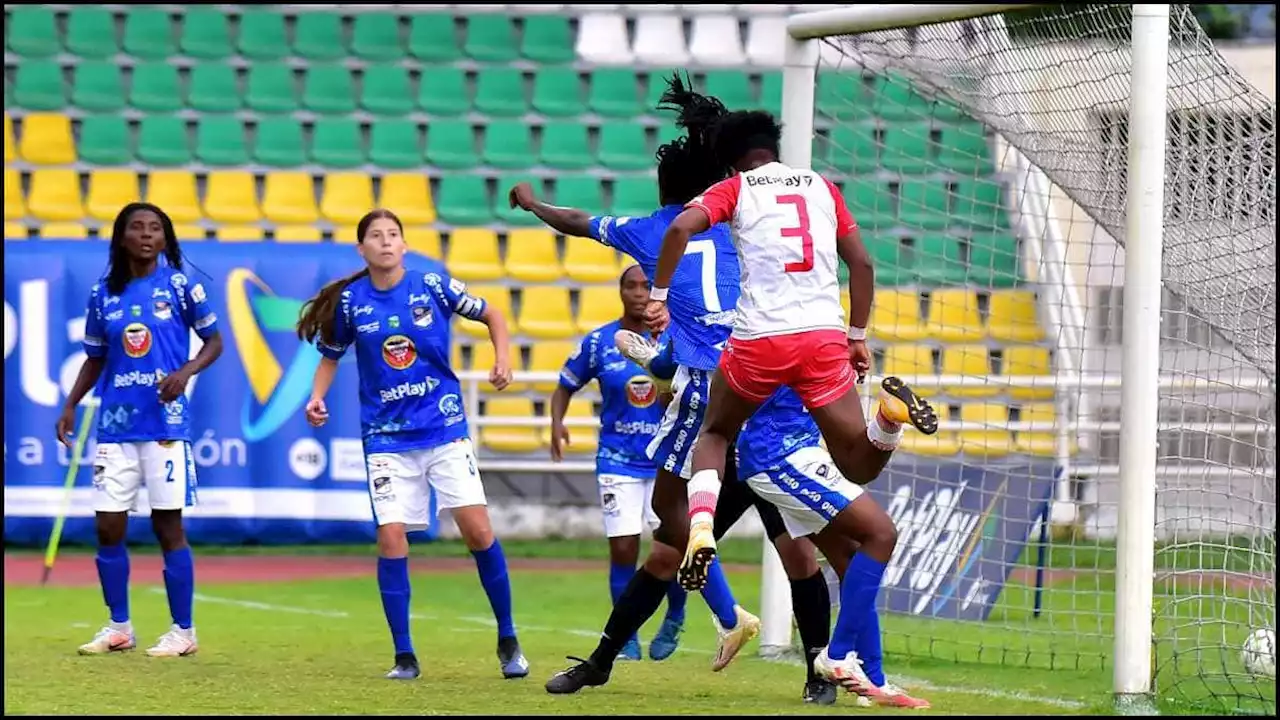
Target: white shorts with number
<point>400,483</point>
<point>807,489</point>
<point>627,503</point>
<point>165,469</point>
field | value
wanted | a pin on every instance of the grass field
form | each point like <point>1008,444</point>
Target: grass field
<point>289,643</point>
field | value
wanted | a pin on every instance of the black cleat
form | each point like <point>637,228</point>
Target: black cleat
<point>512,659</point>
<point>406,668</point>
<point>900,404</point>
<point>584,674</point>
<point>819,692</point>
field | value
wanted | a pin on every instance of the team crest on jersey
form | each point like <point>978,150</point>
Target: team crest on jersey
<point>399,352</point>
<point>162,310</point>
<point>421,316</point>
<point>641,392</point>
<point>137,340</point>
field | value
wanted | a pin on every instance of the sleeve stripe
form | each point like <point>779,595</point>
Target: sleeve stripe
<point>94,341</point>
<point>206,321</point>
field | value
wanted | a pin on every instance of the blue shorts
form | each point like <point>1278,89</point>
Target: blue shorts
<point>672,448</point>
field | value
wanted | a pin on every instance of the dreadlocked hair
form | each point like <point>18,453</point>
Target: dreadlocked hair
<point>688,165</point>
<point>315,320</point>
<point>118,271</point>
<point>740,132</point>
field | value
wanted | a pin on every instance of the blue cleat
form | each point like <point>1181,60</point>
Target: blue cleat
<point>631,651</point>
<point>512,659</point>
<point>664,644</point>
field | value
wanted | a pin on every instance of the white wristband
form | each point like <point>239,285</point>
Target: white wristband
<point>658,293</point>
<point>857,333</point>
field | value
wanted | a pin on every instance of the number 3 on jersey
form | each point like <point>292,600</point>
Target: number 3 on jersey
<point>802,232</point>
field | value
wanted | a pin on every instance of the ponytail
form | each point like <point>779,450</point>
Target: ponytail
<point>316,318</point>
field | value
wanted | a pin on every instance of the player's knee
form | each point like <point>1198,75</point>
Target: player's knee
<point>798,559</point>
<point>393,541</point>
<point>664,560</point>
<point>624,550</point>
<point>111,528</point>
<point>474,527</point>
<point>167,525</point>
<point>879,537</point>
<point>671,535</point>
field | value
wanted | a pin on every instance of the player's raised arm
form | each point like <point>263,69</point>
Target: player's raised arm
<point>570,221</point>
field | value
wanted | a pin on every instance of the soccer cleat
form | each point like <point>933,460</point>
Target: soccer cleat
<point>514,664</point>
<point>729,642</point>
<point>631,651</point>
<point>109,640</point>
<point>175,643</point>
<point>890,695</point>
<point>698,556</point>
<point>640,350</point>
<point>898,403</point>
<point>584,674</point>
<point>845,672</point>
<point>664,644</point>
<point>819,692</point>
<point>406,668</point>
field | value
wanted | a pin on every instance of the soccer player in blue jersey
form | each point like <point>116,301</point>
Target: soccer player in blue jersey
<point>411,416</point>
<point>137,347</point>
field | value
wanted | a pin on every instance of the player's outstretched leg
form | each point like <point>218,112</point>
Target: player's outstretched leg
<point>861,449</point>
<point>491,564</point>
<point>113,574</point>
<point>179,585</point>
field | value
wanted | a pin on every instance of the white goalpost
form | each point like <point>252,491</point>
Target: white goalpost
<point>1072,214</point>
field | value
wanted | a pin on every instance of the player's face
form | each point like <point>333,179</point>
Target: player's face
<point>143,236</point>
<point>635,292</point>
<point>382,245</point>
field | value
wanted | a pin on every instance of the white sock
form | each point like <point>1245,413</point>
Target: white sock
<point>884,438</point>
<point>125,627</point>
<point>704,492</point>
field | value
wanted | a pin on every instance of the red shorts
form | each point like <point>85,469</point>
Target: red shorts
<point>815,364</point>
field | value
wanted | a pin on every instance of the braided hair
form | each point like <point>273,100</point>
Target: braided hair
<point>688,165</point>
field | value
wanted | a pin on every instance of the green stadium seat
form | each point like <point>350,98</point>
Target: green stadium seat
<point>733,87</point>
<point>579,191</point>
<point>395,144</point>
<point>214,88</point>
<point>853,148</point>
<point>205,34</point>
<point>377,37</point>
<point>892,261</point>
<point>557,92</point>
<point>842,96</point>
<point>97,86</point>
<point>565,146</point>
<point>262,35</point>
<point>279,143</point>
<point>894,98</point>
<point>993,260</point>
<point>386,90</point>
<point>923,203</point>
<point>508,144</point>
<point>871,204</point>
<point>38,86</point>
<point>148,34</point>
<point>502,209</point>
<point>271,88</point>
<point>908,148</point>
<point>162,140</point>
<point>337,143</point>
<point>451,145</point>
<point>668,132</point>
<point>547,39</point>
<point>105,140</point>
<point>328,89</point>
<point>500,92</point>
<point>963,149</point>
<point>220,141</point>
<point>655,85</point>
<point>978,204</point>
<point>433,38</point>
<point>623,147</point>
<point>938,261</point>
<point>443,91</point>
<point>491,38</point>
<point>318,36</point>
<point>156,87</point>
<point>31,31</point>
<point>634,197</point>
<point>463,200</point>
<point>91,33</point>
<point>771,93</point>
<point>613,93</point>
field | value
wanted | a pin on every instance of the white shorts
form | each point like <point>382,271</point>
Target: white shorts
<point>627,503</point>
<point>807,489</point>
<point>166,469</point>
<point>672,446</point>
<point>400,483</point>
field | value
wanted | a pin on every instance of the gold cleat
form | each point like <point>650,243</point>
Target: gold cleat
<point>698,557</point>
<point>901,405</point>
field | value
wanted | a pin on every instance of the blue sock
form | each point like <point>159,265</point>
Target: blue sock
<point>719,597</point>
<point>393,583</point>
<point>180,585</point>
<point>619,576</point>
<point>113,573</point>
<point>492,565</point>
<point>868,646</point>
<point>676,600</point>
<point>857,601</point>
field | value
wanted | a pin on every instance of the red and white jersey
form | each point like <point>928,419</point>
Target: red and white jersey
<point>784,223</point>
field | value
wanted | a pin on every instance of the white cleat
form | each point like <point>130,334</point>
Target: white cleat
<point>641,351</point>
<point>729,642</point>
<point>175,643</point>
<point>890,695</point>
<point>846,672</point>
<point>112,638</point>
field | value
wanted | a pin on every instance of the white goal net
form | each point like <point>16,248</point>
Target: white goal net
<point>985,160</point>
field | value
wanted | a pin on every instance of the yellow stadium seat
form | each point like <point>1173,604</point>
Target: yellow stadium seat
<point>510,438</point>
<point>624,261</point>
<point>111,190</point>
<point>184,232</point>
<point>953,316</point>
<point>1040,443</point>
<point>483,356</point>
<point>10,152</point>
<point>423,240</point>
<point>289,198</point>
<point>15,231</point>
<point>239,233</point>
<point>895,315</point>
<point>582,439</point>
<point>473,254</point>
<point>909,360</point>
<point>230,196</point>
<point>14,207</point>
<point>993,442</point>
<point>346,197</point>
<point>597,305</point>
<point>549,356</point>
<point>174,191</point>
<point>940,444</point>
<point>346,234</point>
<point>1028,361</point>
<point>63,231</point>
<point>532,255</point>
<point>408,195</point>
<point>544,313</point>
<point>46,139</point>
<point>298,234</point>
<point>587,261</point>
<point>1013,317</point>
<point>970,361</point>
<point>497,297</point>
<point>55,195</point>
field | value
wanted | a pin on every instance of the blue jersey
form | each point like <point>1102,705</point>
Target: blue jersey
<point>410,398</point>
<point>704,290</point>
<point>142,335</point>
<point>778,428</point>
<point>631,413</point>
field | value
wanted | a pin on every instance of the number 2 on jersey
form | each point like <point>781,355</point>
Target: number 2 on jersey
<point>802,232</point>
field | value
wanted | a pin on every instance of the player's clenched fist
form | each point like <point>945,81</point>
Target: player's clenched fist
<point>317,413</point>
